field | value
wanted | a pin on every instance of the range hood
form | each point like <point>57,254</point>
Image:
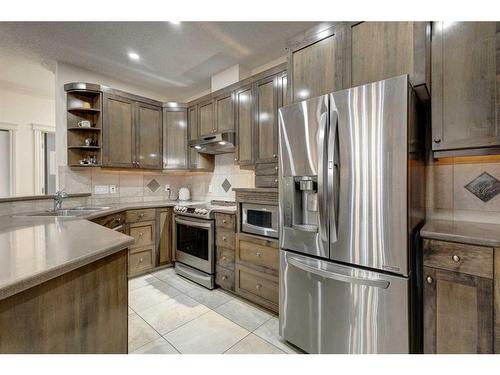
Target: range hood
<point>219,143</point>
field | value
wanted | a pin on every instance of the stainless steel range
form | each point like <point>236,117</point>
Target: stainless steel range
<point>194,241</point>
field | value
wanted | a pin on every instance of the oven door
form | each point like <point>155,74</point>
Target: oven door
<point>194,243</point>
<point>259,219</point>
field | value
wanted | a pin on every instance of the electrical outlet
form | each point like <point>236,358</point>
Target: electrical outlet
<point>210,190</point>
<point>167,187</point>
<point>112,189</point>
<point>101,189</point>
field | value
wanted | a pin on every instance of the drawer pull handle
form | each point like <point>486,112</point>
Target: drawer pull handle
<point>258,254</point>
<point>429,280</point>
<point>258,286</point>
<point>224,239</point>
<point>274,155</point>
<point>141,216</point>
<point>224,257</point>
<point>140,260</point>
<point>141,234</point>
<point>117,219</point>
<point>224,221</point>
<point>224,277</point>
<point>455,258</point>
<point>275,168</point>
<point>275,180</point>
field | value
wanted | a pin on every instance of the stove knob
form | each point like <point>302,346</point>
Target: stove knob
<point>203,211</point>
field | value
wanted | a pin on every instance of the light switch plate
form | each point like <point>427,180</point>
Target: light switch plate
<point>112,189</point>
<point>210,190</point>
<point>101,189</point>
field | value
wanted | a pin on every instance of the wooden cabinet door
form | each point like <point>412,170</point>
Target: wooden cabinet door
<point>313,67</point>
<point>465,86</point>
<point>266,120</point>
<point>192,118</point>
<point>149,136</point>
<point>176,138</point>
<point>381,50</point>
<point>245,125</point>
<point>206,120</point>
<point>458,312</point>
<point>165,239</point>
<point>283,89</point>
<point>119,137</point>
<point>224,112</point>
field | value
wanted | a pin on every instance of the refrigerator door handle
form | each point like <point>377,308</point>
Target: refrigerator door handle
<point>378,283</point>
<point>333,171</point>
<point>322,188</point>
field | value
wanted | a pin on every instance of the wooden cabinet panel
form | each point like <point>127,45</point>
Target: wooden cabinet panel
<point>458,312</point>
<point>111,221</point>
<point>225,238</point>
<point>266,181</point>
<point>134,216</point>
<point>266,120</point>
<point>266,169</point>
<point>143,233</point>
<point>283,89</point>
<point>465,87</point>
<point>257,286</point>
<point>206,121</point>
<point>149,136</point>
<point>224,112</point>
<point>226,221</point>
<point>257,253</point>
<point>245,125</point>
<point>197,161</point>
<point>119,136</point>
<point>225,257</point>
<point>165,222</point>
<point>192,114</point>
<point>224,278</point>
<point>313,68</point>
<point>140,260</point>
<point>176,138</point>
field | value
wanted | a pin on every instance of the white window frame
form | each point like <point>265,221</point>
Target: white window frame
<point>12,128</point>
<point>39,176</point>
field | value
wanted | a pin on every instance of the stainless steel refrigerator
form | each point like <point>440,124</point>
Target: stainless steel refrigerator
<point>351,203</point>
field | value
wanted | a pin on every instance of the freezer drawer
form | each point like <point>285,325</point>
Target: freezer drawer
<point>330,308</point>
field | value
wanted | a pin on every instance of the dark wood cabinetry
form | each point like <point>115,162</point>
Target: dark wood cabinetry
<point>465,88</point>
<point>206,123</point>
<point>266,120</point>
<point>224,112</point>
<point>196,161</point>
<point>132,133</point>
<point>245,125</point>
<point>165,235</point>
<point>458,298</point>
<point>225,233</point>
<point>175,143</point>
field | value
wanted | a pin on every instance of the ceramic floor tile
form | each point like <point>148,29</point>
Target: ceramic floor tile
<point>139,333</point>
<point>164,273</point>
<point>210,333</point>
<point>167,316</point>
<point>158,346</point>
<point>140,281</point>
<point>210,298</point>
<point>269,331</point>
<point>179,282</point>
<point>253,344</point>
<point>130,311</point>
<point>244,314</point>
<point>147,296</point>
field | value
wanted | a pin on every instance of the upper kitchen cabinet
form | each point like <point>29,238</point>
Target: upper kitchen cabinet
<point>465,88</point>
<point>119,140</point>
<point>132,132</point>
<point>374,51</point>
<point>266,120</point>
<point>196,161</point>
<point>224,112</point>
<point>313,65</point>
<point>149,135</point>
<point>206,120</point>
<point>245,125</point>
<point>175,132</point>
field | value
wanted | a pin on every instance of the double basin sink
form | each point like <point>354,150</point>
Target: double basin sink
<point>69,212</point>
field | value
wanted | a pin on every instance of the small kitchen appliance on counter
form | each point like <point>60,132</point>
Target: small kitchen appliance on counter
<point>184,194</point>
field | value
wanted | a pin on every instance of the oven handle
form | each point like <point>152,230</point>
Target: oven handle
<point>194,223</point>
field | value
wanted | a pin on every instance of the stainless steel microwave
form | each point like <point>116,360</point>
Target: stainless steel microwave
<point>260,219</point>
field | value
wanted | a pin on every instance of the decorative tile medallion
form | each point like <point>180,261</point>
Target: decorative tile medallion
<point>226,185</point>
<point>485,187</point>
<point>153,185</point>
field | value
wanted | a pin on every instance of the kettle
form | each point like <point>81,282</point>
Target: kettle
<point>184,194</point>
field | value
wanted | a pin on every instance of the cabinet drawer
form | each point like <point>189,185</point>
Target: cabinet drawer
<point>225,238</point>
<point>225,221</point>
<point>266,169</point>
<point>111,221</point>
<point>143,233</point>
<point>266,181</point>
<point>140,260</point>
<point>257,286</point>
<point>224,278</point>
<point>258,255</point>
<point>135,216</point>
<point>469,259</point>
<point>225,257</point>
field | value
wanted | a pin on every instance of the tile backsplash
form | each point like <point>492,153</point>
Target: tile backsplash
<point>455,193</point>
<point>140,186</point>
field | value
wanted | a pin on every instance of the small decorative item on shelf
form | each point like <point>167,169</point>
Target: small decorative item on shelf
<point>90,142</point>
<point>90,160</point>
<point>84,124</point>
<point>86,105</point>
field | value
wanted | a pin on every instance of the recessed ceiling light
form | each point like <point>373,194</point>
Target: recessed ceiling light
<point>175,22</point>
<point>133,56</point>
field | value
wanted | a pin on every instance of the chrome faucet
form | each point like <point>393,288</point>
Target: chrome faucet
<point>58,199</point>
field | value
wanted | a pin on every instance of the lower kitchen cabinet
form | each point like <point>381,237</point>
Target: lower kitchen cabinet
<point>165,235</point>
<point>225,234</point>
<point>458,298</point>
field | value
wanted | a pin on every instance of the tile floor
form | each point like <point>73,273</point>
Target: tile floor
<point>170,315</point>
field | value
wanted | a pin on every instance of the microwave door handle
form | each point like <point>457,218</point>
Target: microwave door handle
<point>378,283</point>
<point>322,191</point>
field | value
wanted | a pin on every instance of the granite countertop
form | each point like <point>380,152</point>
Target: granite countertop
<point>262,190</point>
<point>36,249</point>
<point>464,232</point>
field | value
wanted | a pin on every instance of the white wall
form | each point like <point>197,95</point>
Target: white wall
<point>66,73</point>
<point>4,164</point>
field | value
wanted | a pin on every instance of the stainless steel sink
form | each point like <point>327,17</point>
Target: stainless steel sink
<point>70,212</point>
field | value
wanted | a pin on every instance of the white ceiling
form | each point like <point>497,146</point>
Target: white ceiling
<point>176,61</point>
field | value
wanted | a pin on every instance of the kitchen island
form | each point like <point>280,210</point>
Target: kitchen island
<point>63,286</point>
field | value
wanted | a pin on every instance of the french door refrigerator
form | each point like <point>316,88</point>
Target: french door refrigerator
<point>351,204</point>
